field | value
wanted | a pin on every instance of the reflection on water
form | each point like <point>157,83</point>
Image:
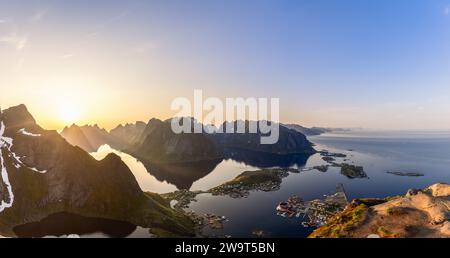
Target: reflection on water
<point>147,182</point>
<point>64,224</point>
<point>182,176</point>
<point>168,178</point>
<point>266,160</point>
<point>203,175</point>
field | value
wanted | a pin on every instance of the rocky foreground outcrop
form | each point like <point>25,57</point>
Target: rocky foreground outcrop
<point>42,174</point>
<point>420,213</point>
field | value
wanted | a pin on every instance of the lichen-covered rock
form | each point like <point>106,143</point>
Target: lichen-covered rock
<point>439,190</point>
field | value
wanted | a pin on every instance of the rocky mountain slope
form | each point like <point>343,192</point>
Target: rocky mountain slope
<point>159,144</point>
<point>42,174</point>
<point>289,141</point>
<point>125,136</point>
<point>420,213</point>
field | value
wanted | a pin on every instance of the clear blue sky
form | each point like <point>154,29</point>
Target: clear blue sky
<point>356,63</point>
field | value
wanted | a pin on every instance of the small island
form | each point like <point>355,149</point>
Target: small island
<point>261,180</point>
<point>352,171</point>
<point>322,168</point>
<point>325,153</point>
<point>411,174</point>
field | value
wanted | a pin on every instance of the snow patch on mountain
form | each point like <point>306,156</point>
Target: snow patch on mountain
<point>39,171</point>
<point>6,144</point>
<point>24,132</point>
<point>4,141</point>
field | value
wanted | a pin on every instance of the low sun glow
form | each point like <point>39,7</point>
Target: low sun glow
<point>69,113</point>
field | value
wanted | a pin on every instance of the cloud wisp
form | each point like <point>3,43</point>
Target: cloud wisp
<point>19,42</point>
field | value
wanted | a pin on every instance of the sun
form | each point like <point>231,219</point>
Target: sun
<point>69,113</point>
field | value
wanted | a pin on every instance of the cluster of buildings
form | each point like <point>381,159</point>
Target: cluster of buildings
<point>314,213</point>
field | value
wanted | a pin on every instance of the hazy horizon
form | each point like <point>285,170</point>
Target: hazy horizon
<point>347,64</point>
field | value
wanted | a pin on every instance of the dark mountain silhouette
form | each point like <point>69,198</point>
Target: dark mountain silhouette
<point>289,141</point>
<point>43,174</point>
<point>159,144</point>
<point>155,142</point>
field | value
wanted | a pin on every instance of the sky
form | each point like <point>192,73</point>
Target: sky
<point>382,64</point>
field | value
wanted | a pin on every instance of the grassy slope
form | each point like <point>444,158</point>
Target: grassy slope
<point>353,216</point>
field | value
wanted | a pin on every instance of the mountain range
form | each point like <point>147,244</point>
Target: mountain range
<point>156,143</point>
<point>307,131</point>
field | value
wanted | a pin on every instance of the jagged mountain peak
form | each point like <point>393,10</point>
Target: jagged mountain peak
<point>17,117</point>
<point>75,136</point>
<point>140,123</point>
<point>154,121</point>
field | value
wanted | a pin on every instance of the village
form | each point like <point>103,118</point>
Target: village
<point>314,213</point>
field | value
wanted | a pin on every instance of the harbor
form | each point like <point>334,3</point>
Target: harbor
<point>316,212</point>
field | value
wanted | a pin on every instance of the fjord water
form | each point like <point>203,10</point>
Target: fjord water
<point>378,152</point>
